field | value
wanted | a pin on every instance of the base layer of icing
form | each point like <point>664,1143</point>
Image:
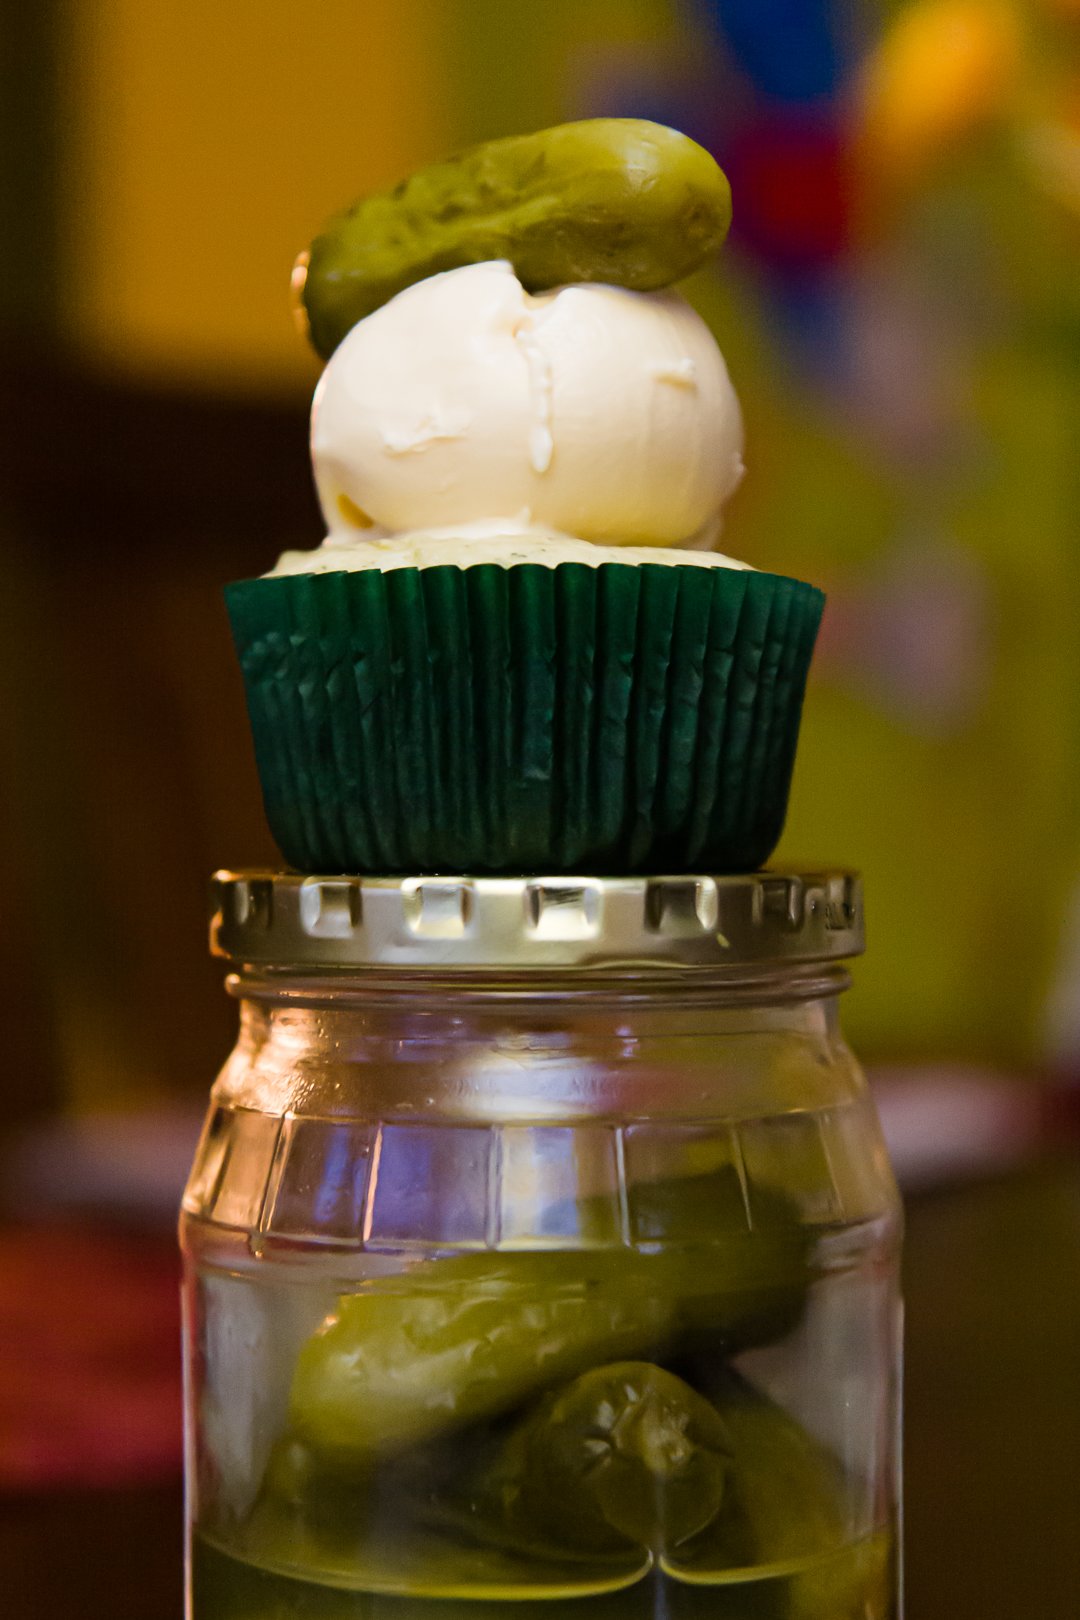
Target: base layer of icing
<point>466,549</point>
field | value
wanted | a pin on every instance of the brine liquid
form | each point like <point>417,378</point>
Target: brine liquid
<point>854,1583</point>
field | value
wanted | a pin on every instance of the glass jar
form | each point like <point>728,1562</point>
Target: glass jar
<point>541,1247</point>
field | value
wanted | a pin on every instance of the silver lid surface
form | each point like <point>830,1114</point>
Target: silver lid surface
<point>278,921</point>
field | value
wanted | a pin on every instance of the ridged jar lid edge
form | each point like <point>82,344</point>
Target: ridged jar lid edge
<point>280,920</point>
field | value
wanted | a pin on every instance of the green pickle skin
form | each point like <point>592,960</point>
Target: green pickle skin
<point>624,1453</point>
<point>617,200</point>
<point>455,1341</point>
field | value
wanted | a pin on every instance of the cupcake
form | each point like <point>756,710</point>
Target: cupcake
<point>516,650</point>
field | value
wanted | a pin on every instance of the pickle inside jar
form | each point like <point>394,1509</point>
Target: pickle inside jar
<point>489,1428</point>
<point>626,1453</point>
<point>452,1342</point>
<point>728,1498</point>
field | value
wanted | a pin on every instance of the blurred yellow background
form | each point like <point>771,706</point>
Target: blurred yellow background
<point>207,144</point>
<point>900,311</point>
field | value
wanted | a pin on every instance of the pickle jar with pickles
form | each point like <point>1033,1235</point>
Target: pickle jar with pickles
<point>541,1257</point>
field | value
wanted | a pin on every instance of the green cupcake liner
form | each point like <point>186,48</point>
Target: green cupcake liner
<point>525,719</point>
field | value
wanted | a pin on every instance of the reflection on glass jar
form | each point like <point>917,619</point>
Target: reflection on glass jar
<point>516,1281</point>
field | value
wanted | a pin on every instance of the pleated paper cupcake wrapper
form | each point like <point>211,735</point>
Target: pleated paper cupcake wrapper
<point>525,719</point>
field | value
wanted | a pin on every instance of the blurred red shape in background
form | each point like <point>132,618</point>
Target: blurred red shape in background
<point>791,174</point>
<point>89,1358</point>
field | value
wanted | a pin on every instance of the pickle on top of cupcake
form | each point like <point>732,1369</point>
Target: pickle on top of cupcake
<point>515,651</point>
<point>615,200</point>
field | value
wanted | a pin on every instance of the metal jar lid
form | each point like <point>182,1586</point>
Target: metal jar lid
<point>267,920</point>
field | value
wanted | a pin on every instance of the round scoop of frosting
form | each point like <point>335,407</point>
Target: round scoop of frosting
<point>592,411</point>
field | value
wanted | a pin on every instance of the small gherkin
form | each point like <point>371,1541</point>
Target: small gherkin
<point>616,200</point>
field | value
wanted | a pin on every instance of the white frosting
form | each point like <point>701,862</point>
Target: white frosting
<point>469,544</point>
<point>465,402</point>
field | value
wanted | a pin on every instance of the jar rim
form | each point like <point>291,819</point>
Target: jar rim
<point>621,925</point>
